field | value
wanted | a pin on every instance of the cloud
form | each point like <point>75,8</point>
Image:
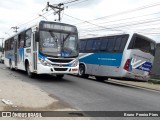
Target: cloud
<point>16,12</point>
<point>11,4</point>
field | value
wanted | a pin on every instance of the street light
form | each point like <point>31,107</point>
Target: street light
<point>42,16</point>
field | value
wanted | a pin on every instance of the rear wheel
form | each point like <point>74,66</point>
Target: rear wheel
<point>100,78</point>
<point>29,73</point>
<point>81,72</point>
<point>59,76</point>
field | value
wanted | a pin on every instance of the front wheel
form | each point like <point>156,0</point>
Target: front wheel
<point>81,72</point>
<point>29,73</point>
<point>59,76</point>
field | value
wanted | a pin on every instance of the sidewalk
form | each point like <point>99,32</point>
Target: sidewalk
<point>141,84</point>
<point>16,95</point>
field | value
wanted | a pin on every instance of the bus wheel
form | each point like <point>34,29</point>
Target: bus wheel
<point>59,76</point>
<point>81,72</point>
<point>10,65</point>
<point>29,73</point>
<point>100,78</point>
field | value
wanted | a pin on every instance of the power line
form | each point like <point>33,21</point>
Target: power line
<point>71,1</point>
<point>93,23</point>
<point>124,12</point>
<point>77,3</point>
<point>114,26</point>
<point>124,19</point>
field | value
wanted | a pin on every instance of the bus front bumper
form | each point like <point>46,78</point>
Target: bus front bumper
<point>41,69</point>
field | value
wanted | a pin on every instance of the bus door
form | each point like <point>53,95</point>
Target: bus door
<point>34,51</point>
<point>15,50</point>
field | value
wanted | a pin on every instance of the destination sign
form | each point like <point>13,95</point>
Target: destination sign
<point>58,27</point>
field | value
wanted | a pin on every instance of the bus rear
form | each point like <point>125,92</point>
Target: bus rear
<point>138,58</point>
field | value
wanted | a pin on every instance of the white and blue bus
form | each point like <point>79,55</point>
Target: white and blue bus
<point>45,48</point>
<point>117,56</point>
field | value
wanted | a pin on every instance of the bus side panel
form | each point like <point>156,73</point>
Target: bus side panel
<point>8,56</point>
<point>102,64</point>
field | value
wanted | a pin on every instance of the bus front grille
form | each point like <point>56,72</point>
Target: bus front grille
<point>60,69</point>
<point>60,60</point>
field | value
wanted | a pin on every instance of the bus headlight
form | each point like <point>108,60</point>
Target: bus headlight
<point>44,62</point>
<point>75,63</point>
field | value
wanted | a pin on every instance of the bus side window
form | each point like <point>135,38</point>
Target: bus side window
<point>111,44</point>
<point>118,43</point>
<point>28,38</point>
<point>6,45</point>
<point>96,44</point>
<point>21,40</point>
<point>123,43</point>
<point>12,43</point>
<point>9,44</point>
<point>89,45</point>
<point>82,45</point>
<point>104,43</point>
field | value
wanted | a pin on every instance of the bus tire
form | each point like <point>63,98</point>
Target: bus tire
<point>59,76</point>
<point>100,78</point>
<point>29,73</point>
<point>10,65</point>
<point>81,71</point>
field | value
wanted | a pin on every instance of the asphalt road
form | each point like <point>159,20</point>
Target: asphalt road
<point>91,95</point>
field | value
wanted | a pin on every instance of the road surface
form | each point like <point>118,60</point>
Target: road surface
<point>91,95</point>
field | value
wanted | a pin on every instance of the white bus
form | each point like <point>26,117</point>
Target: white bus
<point>46,48</point>
<point>116,56</point>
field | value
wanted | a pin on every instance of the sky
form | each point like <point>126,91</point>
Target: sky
<point>92,17</point>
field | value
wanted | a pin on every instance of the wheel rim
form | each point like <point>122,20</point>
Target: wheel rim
<point>81,70</point>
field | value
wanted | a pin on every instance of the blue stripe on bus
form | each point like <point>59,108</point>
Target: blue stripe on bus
<point>21,53</point>
<point>107,59</point>
<point>41,56</point>
<point>145,67</point>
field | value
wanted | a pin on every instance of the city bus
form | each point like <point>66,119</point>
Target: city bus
<point>120,56</point>
<point>45,48</point>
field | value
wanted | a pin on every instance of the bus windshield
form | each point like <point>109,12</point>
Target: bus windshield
<point>58,44</point>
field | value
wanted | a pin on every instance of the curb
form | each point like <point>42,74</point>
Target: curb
<point>155,81</point>
<point>131,85</point>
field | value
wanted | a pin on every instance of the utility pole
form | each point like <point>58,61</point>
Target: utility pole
<point>15,28</point>
<point>57,9</point>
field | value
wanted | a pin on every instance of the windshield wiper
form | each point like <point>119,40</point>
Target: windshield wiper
<point>53,36</point>
<point>64,39</point>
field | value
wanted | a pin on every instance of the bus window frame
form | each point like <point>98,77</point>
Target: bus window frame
<point>27,38</point>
